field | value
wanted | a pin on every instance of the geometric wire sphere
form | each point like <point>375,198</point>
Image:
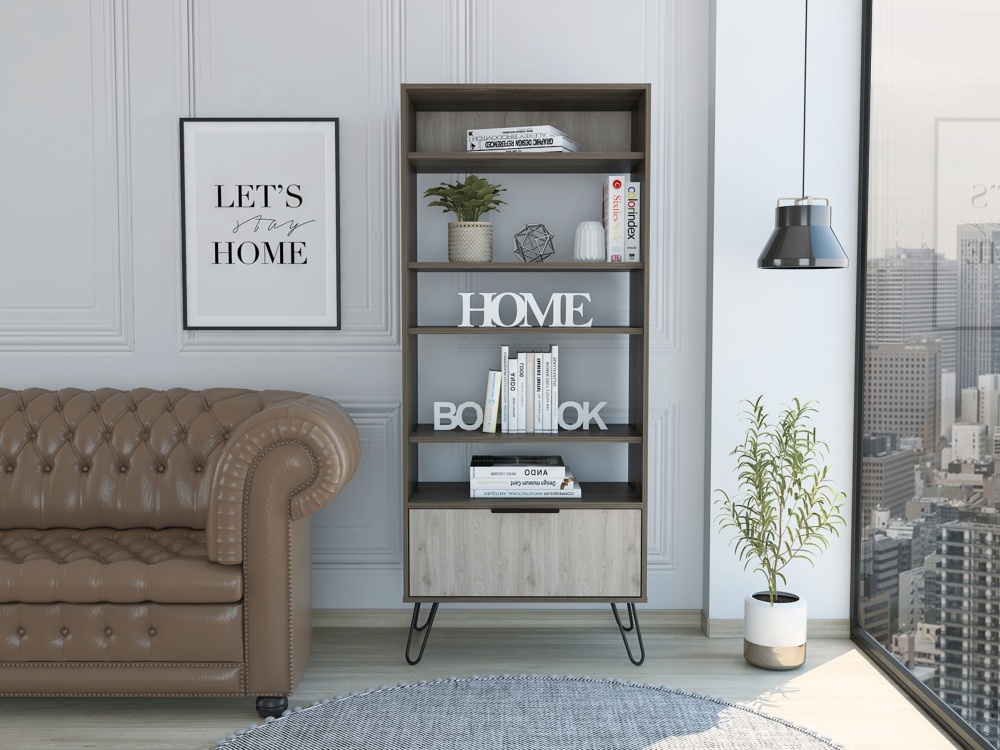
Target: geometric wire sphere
<point>534,243</point>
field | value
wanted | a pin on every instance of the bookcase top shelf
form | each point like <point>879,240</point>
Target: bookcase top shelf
<point>591,97</point>
<point>590,162</point>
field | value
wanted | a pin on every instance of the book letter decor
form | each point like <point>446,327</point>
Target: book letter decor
<point>562,305</point>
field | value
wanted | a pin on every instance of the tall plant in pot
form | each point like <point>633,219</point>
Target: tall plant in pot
<point>469,239</point>
<point>787,509</point>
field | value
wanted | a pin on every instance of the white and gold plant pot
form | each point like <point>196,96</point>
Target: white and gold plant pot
<point>774,636</point>
<point>470,241</point>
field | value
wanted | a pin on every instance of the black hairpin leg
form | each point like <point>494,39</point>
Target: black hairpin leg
<point>633,623</point>
<point>414,628</point>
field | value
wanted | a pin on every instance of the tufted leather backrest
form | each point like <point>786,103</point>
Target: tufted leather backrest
<point>119,459</point>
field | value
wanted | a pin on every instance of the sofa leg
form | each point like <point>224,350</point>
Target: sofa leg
<point>267,706</point>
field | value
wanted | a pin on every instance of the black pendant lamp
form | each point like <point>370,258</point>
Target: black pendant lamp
<point>802,236</point>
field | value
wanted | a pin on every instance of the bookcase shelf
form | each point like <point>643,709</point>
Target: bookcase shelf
<point>553,549</point>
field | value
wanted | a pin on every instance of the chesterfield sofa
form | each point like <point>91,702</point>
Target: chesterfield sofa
<point>156,543</point>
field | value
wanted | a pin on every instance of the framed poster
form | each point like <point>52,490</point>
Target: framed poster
<point>260,214</point>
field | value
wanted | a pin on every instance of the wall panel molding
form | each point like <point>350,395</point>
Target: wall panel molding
<point>662,45</point>
<point>370,317</point>
<point>363,524</point>
<point>107,323</point>
<point>662,489</point>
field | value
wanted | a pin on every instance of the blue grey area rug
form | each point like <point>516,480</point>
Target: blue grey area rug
<point>525,711</point>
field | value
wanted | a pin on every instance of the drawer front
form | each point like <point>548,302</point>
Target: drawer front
<point>472,552</point>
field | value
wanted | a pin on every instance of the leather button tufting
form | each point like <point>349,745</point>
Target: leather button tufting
<point>224,437</point>
<point>32,435</point>
<point>84,468</point>
<point>196,468</point>
<point>160,469</point>
<point>123,469</point>
<point>107,631</point>
<point>152,631</point>
<point>10,469</point>
<point>20,631</point>
<point>64,631</point>
<point>46,469</point>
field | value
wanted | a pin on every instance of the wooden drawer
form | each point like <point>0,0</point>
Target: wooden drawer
<point>478,552</point>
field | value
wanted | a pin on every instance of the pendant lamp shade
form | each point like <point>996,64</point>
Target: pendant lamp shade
<point>803,238</point>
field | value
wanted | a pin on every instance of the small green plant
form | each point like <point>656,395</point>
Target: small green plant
<point>468,199</point>
<point>787,508</point>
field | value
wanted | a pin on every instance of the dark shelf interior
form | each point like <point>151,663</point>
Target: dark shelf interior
<point>447,493</point>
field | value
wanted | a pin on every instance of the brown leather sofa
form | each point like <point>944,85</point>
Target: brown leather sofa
<point>156,543</point>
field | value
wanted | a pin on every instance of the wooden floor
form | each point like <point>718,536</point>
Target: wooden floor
<point>838,693</point>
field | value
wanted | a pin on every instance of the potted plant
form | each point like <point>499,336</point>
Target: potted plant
<point>786,509</point>
<point>469,239</point>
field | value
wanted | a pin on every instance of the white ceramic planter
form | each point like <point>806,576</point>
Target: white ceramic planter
<point>470,241</point>
<point>588,243</point>
<point>774,637</point>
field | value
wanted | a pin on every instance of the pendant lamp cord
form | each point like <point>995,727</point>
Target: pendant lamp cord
<point>805,79</point>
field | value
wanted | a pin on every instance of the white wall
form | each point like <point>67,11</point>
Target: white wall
<point>90,289</point>
<point>781,334</point>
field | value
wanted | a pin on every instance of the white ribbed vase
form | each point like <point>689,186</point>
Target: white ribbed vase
<point>470,241</point>
<point>774,637</point>
<point>588,243</point>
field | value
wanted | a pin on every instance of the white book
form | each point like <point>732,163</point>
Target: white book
<point>632,213</point>
<point>529,392</point>
<point>572,490</point>
<point>511,392</point>
<point>517,467</point>
<point>504,401</point>
<point>519,483</point>
<point>491,404</point>
<point>522,364</point>
<point>613,215</point>
<point>523,142</point>
<point>547,391</point>
<point>555,387</point>
<point>538,381</point>
<point>514,130</point>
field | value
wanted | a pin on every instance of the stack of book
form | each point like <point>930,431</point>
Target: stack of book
<point>620,215</point>
<point>521,477</point>
<point>541,138</point>
<point>523,395</point>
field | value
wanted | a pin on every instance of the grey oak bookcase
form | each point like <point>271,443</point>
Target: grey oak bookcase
<point>462,550</point>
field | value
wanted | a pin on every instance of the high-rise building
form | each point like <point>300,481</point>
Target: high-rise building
<point>969,442</point>
<point>902,383</point>
<point>977,349</point>
<point>887,479</point>
<point>969,640</point>
<point>911,292</point>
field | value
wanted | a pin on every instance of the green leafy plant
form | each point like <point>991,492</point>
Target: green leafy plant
<point>468,199</point>
<point>787,508</point>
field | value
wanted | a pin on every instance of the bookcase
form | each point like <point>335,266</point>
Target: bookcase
<point>511,550</point>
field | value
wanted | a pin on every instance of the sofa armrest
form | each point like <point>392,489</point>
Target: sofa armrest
<point>329,451</point>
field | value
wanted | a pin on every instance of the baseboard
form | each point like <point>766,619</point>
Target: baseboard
<point>719,628</point>
<point>459,617</point>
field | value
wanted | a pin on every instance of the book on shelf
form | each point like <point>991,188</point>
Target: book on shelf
<point>529,391</point>
<point>487,467</point>
<point>547,391</point>
<point>514,130</point>
<point>571,491</point>
<point>504,401</point>
<point>527,142</point>
<point>612,216</point>
<point>522,364</point>
<point>632,213</point>
<point>491,404</point>
<point>538,385</point>
<point>511,388</point>
<point>521,483</point>
<point>555,387</point>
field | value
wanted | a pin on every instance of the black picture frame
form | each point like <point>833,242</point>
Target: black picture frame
<point>260,223</point>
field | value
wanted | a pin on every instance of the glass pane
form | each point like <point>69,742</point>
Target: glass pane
<point>928,562</point>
